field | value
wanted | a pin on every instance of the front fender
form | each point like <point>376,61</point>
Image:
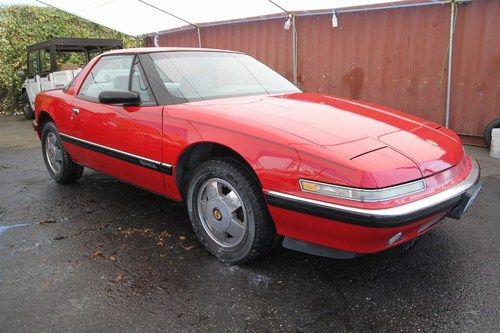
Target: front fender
<point>273,163</point>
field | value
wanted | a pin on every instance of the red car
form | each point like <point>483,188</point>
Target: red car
<point>252,156</point>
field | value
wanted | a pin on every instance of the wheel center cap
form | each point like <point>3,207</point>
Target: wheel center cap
<point>217,214</point>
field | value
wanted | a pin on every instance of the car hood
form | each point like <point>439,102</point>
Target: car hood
<point>350,129</point>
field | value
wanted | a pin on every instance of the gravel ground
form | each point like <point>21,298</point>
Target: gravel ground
<point>103,255</point>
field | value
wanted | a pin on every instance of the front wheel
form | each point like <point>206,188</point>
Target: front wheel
<point>58,162</point>
<point>228,212</point>
<point>26,105</point>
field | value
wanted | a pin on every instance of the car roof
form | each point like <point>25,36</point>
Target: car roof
<point>166,49</point>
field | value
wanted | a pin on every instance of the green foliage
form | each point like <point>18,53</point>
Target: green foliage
<point>21,26</point>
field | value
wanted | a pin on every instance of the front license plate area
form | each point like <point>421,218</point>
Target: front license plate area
<point>466,202</point>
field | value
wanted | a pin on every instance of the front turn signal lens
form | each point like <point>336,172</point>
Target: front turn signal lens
<point>310,186</point>
<point>363,195</point>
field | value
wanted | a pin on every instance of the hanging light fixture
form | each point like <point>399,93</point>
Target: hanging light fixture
<point>335,22</point>
<point>288,22</point>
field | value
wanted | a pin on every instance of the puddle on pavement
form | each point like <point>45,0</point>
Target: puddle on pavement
<point>4,228</point>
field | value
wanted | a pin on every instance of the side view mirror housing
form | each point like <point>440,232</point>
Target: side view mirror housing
<point>124,97</point>
<point>20,73</point>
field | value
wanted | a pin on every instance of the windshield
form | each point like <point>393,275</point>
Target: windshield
<point>197,75</point>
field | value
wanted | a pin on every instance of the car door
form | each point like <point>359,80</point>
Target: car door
<point>122,141</point>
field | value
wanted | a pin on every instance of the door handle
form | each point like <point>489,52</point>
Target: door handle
<point>75,111</point>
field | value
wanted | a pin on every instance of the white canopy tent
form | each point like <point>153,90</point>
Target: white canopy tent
<point>150,17</point>
<point>145,17</point>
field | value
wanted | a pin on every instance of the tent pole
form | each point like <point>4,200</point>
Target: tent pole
<point>291,17</point>
<point>199,36</point>
<point>450,58</point>
<point>294,51</point>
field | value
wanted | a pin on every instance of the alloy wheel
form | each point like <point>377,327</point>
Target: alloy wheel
<point>222,212</point>
<point>53,152</point>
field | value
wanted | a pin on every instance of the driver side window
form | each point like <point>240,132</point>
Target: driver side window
<point>110,73</point>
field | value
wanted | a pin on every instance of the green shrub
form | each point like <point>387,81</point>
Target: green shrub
<point>21,26</point>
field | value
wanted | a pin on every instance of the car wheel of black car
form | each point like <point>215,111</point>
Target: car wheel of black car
<point>228,212</point>
<point>488,129</point>
<point>59,164</point>
<point>26,105</point>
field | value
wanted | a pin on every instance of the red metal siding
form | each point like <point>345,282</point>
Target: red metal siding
<point>267,41</point>
<point>394,57</point>
<point>187,38</point>
<point>475,99</point>
<point>389,57</point>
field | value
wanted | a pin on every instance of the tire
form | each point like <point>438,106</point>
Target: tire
<point>26,105</point>
<point>488,129</point>
<point>59,164</point>
<point>228,212</point>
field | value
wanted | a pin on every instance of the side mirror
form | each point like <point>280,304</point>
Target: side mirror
<point>21,73</point>
<point>124,97</point>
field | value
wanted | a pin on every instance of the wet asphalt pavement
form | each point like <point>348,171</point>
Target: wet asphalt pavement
<point>104,255</point>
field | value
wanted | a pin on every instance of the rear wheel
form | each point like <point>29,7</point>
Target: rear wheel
<point>228,212</point>
<point>59,164</point>
<point>26,105</point>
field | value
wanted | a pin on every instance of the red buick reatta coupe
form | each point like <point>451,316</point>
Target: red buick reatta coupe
<point>252,156</point>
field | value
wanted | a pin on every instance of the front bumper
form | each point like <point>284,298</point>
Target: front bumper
<point>388,217</point>
<point>369,230</point>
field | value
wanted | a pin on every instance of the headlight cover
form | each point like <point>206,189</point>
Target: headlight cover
<point>362,195</point>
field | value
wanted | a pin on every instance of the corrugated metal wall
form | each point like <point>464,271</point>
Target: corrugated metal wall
<point>394,57</point>
<point>475,98</point>
<point>264,40</point>
<point>390,57</point>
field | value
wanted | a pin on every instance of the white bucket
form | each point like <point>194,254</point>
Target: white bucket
<point>495,143</point>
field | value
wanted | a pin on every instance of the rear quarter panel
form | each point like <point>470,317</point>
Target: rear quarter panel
<point>57,105</point>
